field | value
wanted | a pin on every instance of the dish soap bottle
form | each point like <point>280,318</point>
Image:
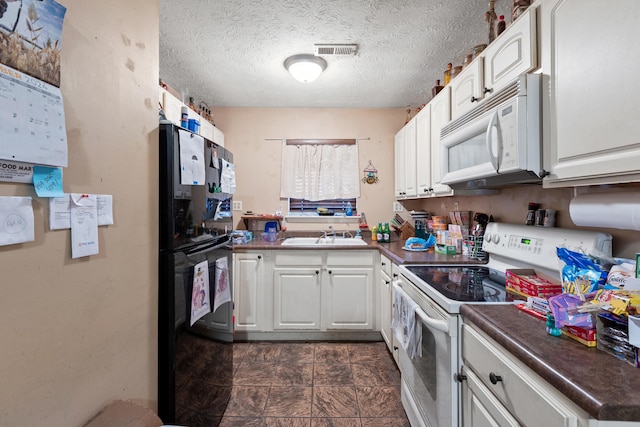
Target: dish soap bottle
<point>349,210</point>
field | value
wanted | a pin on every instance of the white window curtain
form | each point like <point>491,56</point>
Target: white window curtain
<point>319,171</point>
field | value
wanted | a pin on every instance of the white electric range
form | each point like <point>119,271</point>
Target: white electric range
<point>430,390</point>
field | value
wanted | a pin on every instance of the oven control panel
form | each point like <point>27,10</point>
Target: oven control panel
<point>537,245</point>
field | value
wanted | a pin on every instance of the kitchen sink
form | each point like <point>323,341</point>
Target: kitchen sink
<point>323,241</point>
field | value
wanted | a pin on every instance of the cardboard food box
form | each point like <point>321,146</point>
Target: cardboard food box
<point>527,283</point>
<point>445,249</point>
<point>582,335</point>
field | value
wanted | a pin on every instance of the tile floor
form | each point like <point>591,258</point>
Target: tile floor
<point>305,384</point>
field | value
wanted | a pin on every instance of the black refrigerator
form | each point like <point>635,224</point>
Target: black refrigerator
<point>195,357</point>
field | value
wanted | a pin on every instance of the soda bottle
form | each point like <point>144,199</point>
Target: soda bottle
<point>379,234</point>
<point>386,238</point>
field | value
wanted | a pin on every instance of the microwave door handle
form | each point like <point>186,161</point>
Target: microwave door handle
<point>493,125</point>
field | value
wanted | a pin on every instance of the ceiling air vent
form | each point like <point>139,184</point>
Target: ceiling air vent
<point>335,49</point>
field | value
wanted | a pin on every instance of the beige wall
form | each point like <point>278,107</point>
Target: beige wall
<point>258,161</point>
<point>78,333</point>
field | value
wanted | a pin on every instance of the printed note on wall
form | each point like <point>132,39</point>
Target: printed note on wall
<point>60,211</point>
<point>16,220</point>
<point>84,225</point>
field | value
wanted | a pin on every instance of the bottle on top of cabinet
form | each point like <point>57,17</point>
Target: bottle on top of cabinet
<point>501,25</point>
<point>436,89</point>
<point>490,16</point>
<point>447,73</point>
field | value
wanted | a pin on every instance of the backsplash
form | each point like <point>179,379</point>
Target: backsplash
<point>510,205</point>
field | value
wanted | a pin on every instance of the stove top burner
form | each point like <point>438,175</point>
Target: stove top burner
<point>464,283</point>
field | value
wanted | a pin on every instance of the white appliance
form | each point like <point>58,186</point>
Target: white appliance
<point>430,388</point>
<point>498,142</point>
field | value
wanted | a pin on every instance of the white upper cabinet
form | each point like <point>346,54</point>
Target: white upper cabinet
<point>172,108</point>
<point>423,152</point>
<point>513,53</point>
<point>440,116</point>
<point>591,107</point>
<point>466,89</point>
<point>509,55</point>
<point>405,161</point>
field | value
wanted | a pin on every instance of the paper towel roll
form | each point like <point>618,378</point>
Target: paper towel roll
<point>607,210</point>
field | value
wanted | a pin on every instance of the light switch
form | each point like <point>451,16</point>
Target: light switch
<point>237,205</point>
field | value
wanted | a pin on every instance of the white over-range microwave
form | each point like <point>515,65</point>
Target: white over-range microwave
<point>498,143</point>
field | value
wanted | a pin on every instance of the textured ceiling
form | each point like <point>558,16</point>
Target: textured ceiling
<point>230,53</point>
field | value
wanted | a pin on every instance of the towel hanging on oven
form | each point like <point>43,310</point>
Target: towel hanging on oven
<point>405,323</point>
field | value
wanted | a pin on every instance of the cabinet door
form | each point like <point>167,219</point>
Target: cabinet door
<point>466,89</point>
<point>590,119</point>
<point>218,136</point>
<point>511,54</point>
<point>296,299</point>
<point>385,310</point>
<point>348,299</point>
<point>410,189</point>
<point>440,116</point>
<point>423,152</point>
<point>480,408</point>
<point>172,108</point>
<point>248,291</point>
<point>398,154</point>
<point>206,129</point>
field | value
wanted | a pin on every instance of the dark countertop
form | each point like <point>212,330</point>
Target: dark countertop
<point>605,387</point>
<point>392,250</point>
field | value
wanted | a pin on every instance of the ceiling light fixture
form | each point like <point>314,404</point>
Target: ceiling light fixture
<point>304,67</point>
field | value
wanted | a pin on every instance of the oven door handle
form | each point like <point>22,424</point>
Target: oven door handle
<point>440,325</point>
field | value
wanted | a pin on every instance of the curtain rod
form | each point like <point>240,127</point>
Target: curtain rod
<point>280,139</point>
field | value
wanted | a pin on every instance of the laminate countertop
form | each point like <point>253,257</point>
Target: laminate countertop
<point>605,387</point>
<point>392,250</point>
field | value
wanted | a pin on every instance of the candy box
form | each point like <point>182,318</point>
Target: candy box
<point>526,282</point>
<point>582,335</point>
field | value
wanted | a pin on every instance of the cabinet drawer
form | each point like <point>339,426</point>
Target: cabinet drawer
<point>385,265</point>
<point>298,258</point>
<point>531,400</point>
<point>351,258</point>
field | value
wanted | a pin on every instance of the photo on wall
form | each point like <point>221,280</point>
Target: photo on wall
<point>31,37</point>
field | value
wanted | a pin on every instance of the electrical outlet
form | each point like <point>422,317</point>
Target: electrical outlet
<point>237,205</point>
<point>456,206</point>
<point>397,207</point>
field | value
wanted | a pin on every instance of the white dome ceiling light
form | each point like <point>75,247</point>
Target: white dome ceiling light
<point>304,67</point>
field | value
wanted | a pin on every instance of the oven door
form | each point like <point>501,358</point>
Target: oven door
<point>429,394</point>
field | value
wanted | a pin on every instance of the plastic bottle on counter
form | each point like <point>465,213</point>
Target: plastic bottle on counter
<point>374,233</point>
<point>379,234</point>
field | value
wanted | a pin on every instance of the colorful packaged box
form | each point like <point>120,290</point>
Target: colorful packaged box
<point>445,249</point>
<point>526,282</point>
<point>582,335</point>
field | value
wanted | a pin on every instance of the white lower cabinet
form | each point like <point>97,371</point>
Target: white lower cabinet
<point>296,297</point>
<point>348,298</point>
<point>249,291</point>
<point>501,391</point>
<point>480,406</point>
<point>385,301</point>
<point>306,291</point>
